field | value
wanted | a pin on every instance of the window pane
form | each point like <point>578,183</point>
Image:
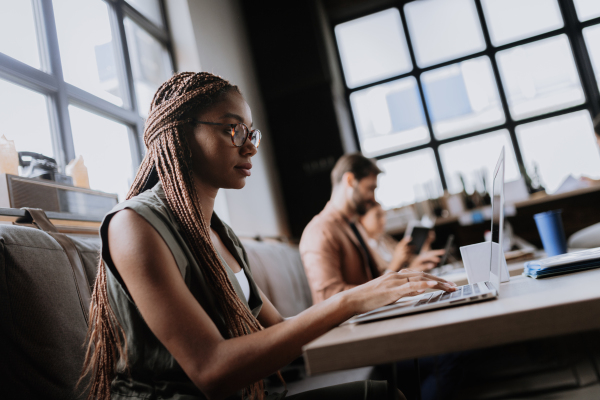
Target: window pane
<point>87,49</point>
<point>373,48</point>
<point>405,177</point>
<point>17,21</point>
<point>592,41</point>
<point>462,98</point>
<point>476,157</point>
<point>442,30</point>
<point>389,117</point>
<point>104,145</point>
<point>587,9</point>
<point>512,20</point>
<point>150,63</point>
<point>24,116</point>
<point>149,9</point>
<point>560,146</point>
<point>540,77</point>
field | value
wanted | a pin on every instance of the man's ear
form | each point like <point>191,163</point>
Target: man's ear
<point>349,179</point>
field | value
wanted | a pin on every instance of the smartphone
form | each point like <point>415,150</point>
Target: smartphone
<point>418,236</point>
<point>447,248</point>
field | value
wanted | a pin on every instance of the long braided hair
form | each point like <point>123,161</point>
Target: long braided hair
<point>169,157</point>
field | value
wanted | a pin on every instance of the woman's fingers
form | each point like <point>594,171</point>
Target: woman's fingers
<point>432,253</point>
<point>415,281</point>
<point>405,240</point>
<point>421,286</point>
<point>420,275</point>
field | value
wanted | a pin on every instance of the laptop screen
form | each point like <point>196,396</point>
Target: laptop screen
<point>496,253</point>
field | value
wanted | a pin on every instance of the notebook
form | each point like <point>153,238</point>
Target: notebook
<point>563,264</point>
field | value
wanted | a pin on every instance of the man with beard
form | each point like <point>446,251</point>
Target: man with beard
<point>333,248</point>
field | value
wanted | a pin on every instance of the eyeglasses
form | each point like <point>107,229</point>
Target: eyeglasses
<point>239,133</point>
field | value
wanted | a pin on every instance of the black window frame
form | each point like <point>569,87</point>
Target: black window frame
<point>49,80</point>
<point>572,28</point>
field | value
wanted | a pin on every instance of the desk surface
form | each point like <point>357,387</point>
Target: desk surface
<point>526,309</point>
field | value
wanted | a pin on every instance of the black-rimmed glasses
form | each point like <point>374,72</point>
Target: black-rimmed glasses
<point>239,133</point>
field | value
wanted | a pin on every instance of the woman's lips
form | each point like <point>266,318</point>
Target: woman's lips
<point>244,169</point>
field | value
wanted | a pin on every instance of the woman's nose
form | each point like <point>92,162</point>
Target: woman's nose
<point>248,148</point>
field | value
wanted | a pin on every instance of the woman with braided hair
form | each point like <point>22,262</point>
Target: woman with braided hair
<point>175,313</point>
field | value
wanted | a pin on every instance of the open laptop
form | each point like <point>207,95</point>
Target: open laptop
<point>466,294</point>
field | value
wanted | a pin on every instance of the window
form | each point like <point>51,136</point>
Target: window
<point>443,30</point>
<point>87,49</point>
<point>17,19</point>
<point>407,179</point>
<point>104,146</point>
<point>65,88</point>
<point>470,158</point>
<point>24,116</point>
<point>587,9</point>
<point>373,48</point>
<point>150,64</point>
<point>512,20</point>
<point>390,116</point>
<point>464,78</point>
<point>462,97</point>
<point>559,147</point>
<point>540,77</point>
<point>592,41</point>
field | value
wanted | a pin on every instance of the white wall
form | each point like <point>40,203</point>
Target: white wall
<point>209,35</point>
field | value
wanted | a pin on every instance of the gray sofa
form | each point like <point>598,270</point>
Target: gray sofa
<point>42,327</point>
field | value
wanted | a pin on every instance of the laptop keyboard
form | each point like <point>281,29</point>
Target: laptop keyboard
<point>461,292</point>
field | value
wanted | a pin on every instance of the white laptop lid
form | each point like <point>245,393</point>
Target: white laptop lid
<point>496,253</point>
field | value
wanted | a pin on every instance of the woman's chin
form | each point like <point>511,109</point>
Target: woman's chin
<point>237,184</point>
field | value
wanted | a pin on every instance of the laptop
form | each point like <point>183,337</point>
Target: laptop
<point>480,291</point>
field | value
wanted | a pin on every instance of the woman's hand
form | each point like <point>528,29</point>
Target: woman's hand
<point>402,254</point>
<point>390,287</point>
<point>426,260</point>
<point>427,244</point>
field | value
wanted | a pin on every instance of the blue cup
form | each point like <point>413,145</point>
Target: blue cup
<point>550,228</point>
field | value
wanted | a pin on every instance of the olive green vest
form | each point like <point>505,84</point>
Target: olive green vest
<point>151,371</point>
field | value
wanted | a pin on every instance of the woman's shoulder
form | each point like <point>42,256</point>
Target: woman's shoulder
<point>153,199</point>
<point>124,221</point>
<point>151,205</point>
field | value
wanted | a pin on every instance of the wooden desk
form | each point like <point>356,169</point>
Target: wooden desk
<point>527,309</point>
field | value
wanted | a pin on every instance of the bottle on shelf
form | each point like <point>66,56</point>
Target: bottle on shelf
<point>9,159</point>
<point>78,171</point>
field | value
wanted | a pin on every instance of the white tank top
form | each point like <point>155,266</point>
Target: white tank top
<point>243,280</point>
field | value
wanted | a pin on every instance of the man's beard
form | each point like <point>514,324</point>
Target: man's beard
<point>361,205</point>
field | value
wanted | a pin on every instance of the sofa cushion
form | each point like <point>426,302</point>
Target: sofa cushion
<point>278,272</point>
<point>42,327</point>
